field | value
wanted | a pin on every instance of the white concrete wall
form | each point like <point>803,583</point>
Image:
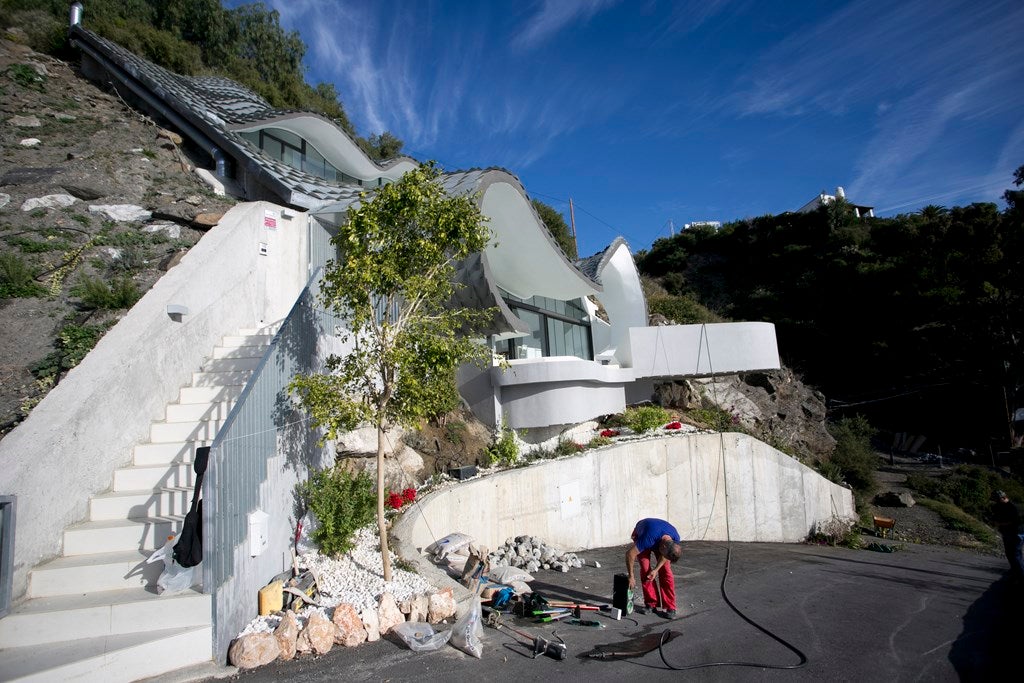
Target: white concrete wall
<point>710,486</point>
<point>694,350</point>
<point>623,299</point>
<point>86,427</point>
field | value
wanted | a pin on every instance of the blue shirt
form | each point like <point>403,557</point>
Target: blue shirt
<point>648,532</point>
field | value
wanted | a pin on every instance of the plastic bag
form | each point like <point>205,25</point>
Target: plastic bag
<point>304,543</point>
<point>468,630</point>
<point>174,578</point>
<point>449,544</point>
<point>421,637</point>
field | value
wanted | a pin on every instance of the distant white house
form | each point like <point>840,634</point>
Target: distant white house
<point>823,199</point>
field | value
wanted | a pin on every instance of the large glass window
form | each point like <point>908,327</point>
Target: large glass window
<point>557,328</point>
<point>291,149</point>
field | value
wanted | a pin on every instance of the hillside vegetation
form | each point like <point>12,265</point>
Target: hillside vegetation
<point>914,320</point>
<point>200,37</point>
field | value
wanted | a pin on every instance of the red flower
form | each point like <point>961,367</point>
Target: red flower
<point>674,425</point>
<point>395,501</point>
<point>609,433</point>
<point>409,495</point>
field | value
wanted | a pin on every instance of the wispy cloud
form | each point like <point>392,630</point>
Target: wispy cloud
<point>553,16</point>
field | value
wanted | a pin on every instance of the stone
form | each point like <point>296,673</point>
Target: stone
<point>287,633</point>
<point>5,199</point>
<point>371,623</point>
<point>29,175</point>
<point>24,121</point>
<point>388,614</point>
<point>169,135</point>
<point>50,201</point>
<point>193,199</point>
<point>66,118</point>
<point>893,499</point>
<point>440,605</point>
<point>121,213</point>
<point>318,636</point>
<point>254,650</point>
<point>30,142</point>
<point>207,220</point>
<point>415,608</point>
<point>86,191</point>
<point>179,213</point>
<point>172,260</point>
<point>349,629</point>
<point>172,230</point>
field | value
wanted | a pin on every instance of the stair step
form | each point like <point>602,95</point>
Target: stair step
<point>107,659</point>
<point>109,536</point>
<point>209,394</point>
<point>153,477</point>
<point>269,330</point>
<point>239,352</point>
<point>188,412</point>
<point>140,504</point>
<point>196,430</point>
<point>100,572</point>
<point>103,613</point>
<point>221,379</point>
<point>231,364</point>
<point>247,340</point>
<point>148,454</point>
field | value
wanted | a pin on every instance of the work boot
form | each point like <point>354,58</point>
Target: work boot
<point>641,609</point>
<point>666,614</point>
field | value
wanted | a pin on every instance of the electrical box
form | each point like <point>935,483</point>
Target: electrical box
<point>259,532</point>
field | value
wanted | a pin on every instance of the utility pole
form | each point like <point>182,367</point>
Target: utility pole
<point>572,223</point>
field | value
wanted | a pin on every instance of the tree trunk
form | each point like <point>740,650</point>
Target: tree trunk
<point>382,526</point>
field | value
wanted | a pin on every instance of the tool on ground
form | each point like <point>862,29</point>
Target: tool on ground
<point>607,610</point>
<point>540,646</point>
<point>553,617</point>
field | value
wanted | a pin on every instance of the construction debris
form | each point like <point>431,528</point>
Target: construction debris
<point>533,554</point>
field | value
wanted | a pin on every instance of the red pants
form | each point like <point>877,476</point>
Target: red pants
<point>666,582</point>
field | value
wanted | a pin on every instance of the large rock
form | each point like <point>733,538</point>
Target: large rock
<point>401,469</point>
<point>253,650</point>
<point>87,191</point>
<point>893,499</point>
<point>415,608</point>
<point>349,626</point>
<point>388,614</point>
<point>29,175</point>
<point>441,605</point>
<point>371,622</point>
<point>24,121</point>
<point>287,633</point>
<point>5,199</point>
<point>121,213</point>
<point>207,220</point>
<point>50,201</point>
<point>172,230</point>
<point>318,636</point>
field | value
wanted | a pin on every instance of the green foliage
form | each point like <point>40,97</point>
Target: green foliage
<point>25,76</point>
<point>853,454</point>
<point>645,418</point>
<point>381,147</point>
<point>682,310</point>
<point>343,504</point>
<point>96,294</point>
<point>835,532</point>
<point>556,225</point>
<point>956,519</point>
<point>72,344</point>
<point>568,447</point>
<point>455,431</point>
<point>17,278</point>
<point>715,418</point>
<point>504,450</point>
<point>969,487</point>
<point>599,441</point>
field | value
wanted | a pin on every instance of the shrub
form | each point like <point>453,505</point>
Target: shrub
<point>645,418</point>
<point>568,447</point>
<point>72,344</point>
<point>17,278</point>
<point>835,532</point>
<point>504,450</point>
<point>853,454</point>
<point>599,441</point>
<point>969,487</point>
<point>956,519</point>
<point>715,418</point>
<point>98,295</point>
<point>343,503</point>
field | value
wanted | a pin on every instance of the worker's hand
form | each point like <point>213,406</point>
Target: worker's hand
<point>650,575</point>
<point>632,583</point>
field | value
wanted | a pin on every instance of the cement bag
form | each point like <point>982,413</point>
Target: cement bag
<point>507,575</point>
<point>448,544</point>
<point>468,630</point>
<point>421,637</point>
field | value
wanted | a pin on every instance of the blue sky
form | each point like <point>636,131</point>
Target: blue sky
<point>646,112</point>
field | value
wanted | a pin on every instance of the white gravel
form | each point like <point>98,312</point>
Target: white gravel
<point>356,579</point>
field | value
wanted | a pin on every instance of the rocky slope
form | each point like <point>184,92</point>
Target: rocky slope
<point>70,148</point>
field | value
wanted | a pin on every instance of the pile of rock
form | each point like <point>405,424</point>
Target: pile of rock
<point>532,554</point>
<point>317,630</point>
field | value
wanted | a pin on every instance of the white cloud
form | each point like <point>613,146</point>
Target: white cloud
<point>554,15</point>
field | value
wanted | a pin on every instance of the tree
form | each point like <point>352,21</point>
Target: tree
<point>381,147</point>
<point>392,283</point>
<point>555,224</point>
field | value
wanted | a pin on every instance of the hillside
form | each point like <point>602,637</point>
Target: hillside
<point>70,271</point>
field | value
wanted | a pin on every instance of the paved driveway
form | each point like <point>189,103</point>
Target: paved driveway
<point>923,613</point>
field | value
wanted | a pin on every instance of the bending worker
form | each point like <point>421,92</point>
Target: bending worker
<point>655,536</point>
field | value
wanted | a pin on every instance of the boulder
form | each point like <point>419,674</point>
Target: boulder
<point>253,650</point>
<point>5,199</point>
<point>894,499</point>
<point>86,191</point>
<point>371,623</point>
<point>388,614</point>
<point>170,136</point>
<point>349,629</point>
<point>27,175</point>
<point>121,213</point>
<point>50,201</point>
<point>415,608</point>
<point>24,121</point>
<point>440,605</point>
<point>30,142</point>
<point>207,220</point>
<point>318,636</point>
<point>287,633</point>
<point>172,230</point>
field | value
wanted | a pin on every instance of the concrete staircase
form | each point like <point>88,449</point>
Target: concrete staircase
<point>93,613</point>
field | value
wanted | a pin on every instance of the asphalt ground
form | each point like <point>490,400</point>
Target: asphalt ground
<point>921,613</point>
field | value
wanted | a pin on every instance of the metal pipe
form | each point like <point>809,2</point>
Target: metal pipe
<point>75,17</point>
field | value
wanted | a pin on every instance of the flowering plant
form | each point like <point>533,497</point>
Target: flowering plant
<point>409,495</point>
<point>609,433</point>
<point>395,501</point>
<point>674,425</point>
